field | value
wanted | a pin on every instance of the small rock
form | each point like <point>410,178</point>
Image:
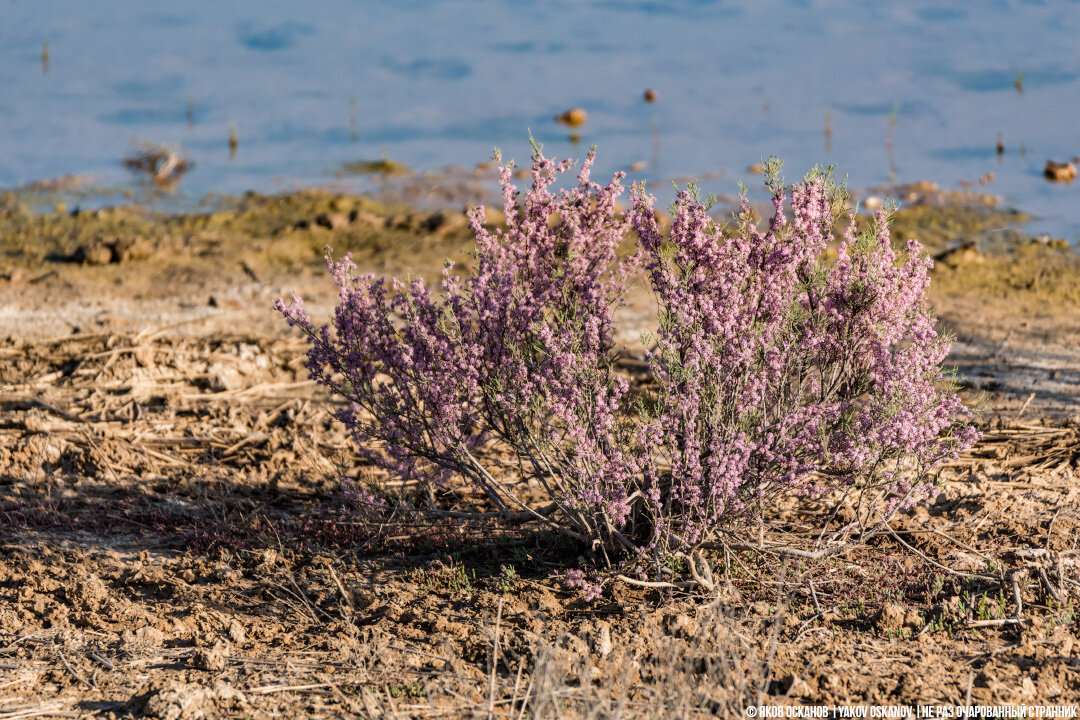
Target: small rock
<point>601,639</point>
<point>211,659</point>
<point>682,626</point>
<point>226,574</point>
<point>148,635</point>
<point>332,220</point>
<point>794,686</point>
<point>95,253</point>
<point>445,222</point>
<point>365,219</point>
<point>889,618</point>
<point>236,632</point>
<point>574,117</point>
<point>127,248</point>
<point>144,355</point>
<point>650,96</point>
<point>953,610</point>
<point>1059,171</point>
<point>828,683</point>
<point>402,221</point>
<point>14,276</point>
<point>269,559</point>
<point>224,377</point>
<point>965,254</point>
<point>111,249</point>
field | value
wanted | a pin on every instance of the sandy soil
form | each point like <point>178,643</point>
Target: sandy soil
<point>175,541</point>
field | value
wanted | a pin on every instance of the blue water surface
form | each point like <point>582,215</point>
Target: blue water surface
<point>438,83</point>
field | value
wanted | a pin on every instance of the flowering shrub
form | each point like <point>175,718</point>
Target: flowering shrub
<point>518,354</point>
<point>779,372</point>
<point>776,371</point>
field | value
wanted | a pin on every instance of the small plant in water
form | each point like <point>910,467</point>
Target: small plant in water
<point>777,372</point>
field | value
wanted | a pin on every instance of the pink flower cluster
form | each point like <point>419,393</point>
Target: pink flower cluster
<point>775,370</point>
<point>779,372</point>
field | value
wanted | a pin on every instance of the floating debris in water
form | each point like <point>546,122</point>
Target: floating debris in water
<point>1019,83</point>
<point>828,132</point>
<point>1059,171</point>
<point>639,166</point>
<point>1000,145</point>
<point>233,142</point>
<point>45,58</point>
<point>650,96</point>
<point>574,117</point>
<point>163,164</point>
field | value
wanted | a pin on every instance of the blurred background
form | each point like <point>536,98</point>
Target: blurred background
<point>275,95</point>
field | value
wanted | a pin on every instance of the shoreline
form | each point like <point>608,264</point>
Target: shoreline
<point>1011,299</point>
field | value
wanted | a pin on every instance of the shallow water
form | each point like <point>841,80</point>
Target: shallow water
<point>431,84</point>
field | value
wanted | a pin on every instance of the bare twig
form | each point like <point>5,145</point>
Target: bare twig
<point>271,689</point>
<point>967,694</point>
<point>1049,587</point>
<point>1016,595</point>
<point>1023,408</point>
<point>103,660</point>
<point>67,666</point>
<point>813,594</point>
<point>994,623</point>
<point>944,568</point>
<point>494,660</point>
<point>657,583</point>
<point>341,589</point>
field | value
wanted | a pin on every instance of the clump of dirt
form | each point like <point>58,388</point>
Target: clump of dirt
<point>191,701</point>
<point>88,594</point>
<point>214,658</point>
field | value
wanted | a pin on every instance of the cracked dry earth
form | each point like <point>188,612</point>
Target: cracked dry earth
<point>175,543</point>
